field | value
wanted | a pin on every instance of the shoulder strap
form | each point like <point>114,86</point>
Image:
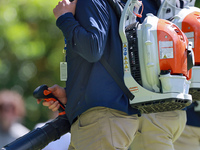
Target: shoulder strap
<point>117,6</point>
<point>116,78</point>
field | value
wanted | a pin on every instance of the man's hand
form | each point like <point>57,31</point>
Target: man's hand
<point>63,7</point>
<point>58,92</point>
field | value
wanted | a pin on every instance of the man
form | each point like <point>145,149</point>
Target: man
<point>190,137</point>
<point>12,112</point>
<point>97,108</point>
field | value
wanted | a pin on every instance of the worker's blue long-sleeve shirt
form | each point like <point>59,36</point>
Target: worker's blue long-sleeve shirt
<point>93,32</point>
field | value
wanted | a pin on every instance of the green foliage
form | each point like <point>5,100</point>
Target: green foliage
<point>197,4</point>
<point>31,47</point>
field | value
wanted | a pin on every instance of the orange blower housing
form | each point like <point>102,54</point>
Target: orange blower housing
<point>172,44</point>
<point>191,27</point>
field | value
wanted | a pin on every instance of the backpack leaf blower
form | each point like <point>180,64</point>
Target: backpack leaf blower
<point>156,55</point>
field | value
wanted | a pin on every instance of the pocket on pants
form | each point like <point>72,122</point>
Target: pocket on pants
<point>123,130</point>
<point>85,133</point>
<point>90,117</point>
<point>172,122</point>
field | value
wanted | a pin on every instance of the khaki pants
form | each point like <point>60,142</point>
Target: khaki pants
<point>158,131</point>
<point>103,128</point>
<point>189,139</point>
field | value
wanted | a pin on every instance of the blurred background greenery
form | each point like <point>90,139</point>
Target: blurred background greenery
<point>31,48</point>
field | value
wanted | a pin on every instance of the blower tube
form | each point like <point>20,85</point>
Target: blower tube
<point>40,137</point>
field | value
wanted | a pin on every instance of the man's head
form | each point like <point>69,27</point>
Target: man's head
<point>11,108</point>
